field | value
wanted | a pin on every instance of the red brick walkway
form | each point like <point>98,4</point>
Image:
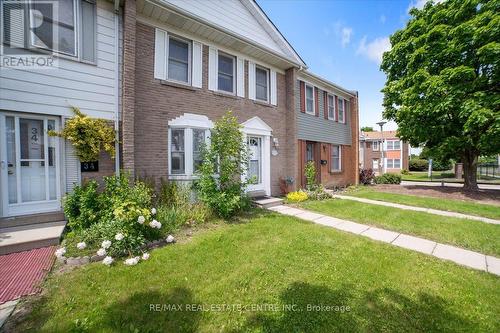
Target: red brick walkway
<point>21,273</point>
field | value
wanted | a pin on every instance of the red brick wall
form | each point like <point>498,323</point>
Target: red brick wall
<point>156,103</point>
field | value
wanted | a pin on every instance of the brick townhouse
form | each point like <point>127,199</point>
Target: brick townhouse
<point>161,72</point>
<point>383,152</point>
<point>186,63</point>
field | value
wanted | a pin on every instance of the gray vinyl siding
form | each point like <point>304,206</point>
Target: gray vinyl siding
<point>312,128</point>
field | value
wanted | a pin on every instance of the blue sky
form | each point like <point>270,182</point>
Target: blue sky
<point>343,41</point>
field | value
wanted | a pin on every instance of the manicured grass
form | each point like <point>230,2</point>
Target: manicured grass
<point>465,207</point>
<point>469,234</point>
<point>446,176</point>
<point>276,260</point>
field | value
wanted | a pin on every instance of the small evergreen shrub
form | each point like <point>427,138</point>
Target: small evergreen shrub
<point>388,178</point>
<point>418,164</point>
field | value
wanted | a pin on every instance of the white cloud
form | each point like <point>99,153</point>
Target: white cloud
<point>382,18</point>
<point>374,49</point>
<point>346,36</point>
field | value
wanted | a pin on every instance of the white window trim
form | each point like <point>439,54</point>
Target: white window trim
<point>190,59</point>
<point>378,146</point>
<point>314,99</point>
<point>340,159</point>
<point>328,106</point>
<point>235,74</point>
<point>341,100</point>
<point>393,143</point>
<point>188,122</point>
<point>268,83</point>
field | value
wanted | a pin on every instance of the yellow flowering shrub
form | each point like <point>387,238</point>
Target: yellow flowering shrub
<point>296,196</point>
<point>88,136</point>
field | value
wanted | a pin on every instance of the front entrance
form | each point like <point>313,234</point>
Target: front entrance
<point>30,164</point>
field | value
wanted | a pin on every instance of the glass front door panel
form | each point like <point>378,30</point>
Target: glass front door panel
<point>255,159</point>
<point>309,152</point>
<point>10,140</point>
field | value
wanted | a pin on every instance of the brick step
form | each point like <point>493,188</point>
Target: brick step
<point>28,237</point>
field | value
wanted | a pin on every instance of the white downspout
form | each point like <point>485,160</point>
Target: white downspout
<point>117,88</point>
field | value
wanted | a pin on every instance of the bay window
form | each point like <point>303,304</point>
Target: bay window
<point>185,153</point>
<point>336,164</point>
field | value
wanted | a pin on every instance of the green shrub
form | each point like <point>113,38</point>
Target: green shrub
<point>83,206</point>
<point>224,161</point>
<point>318,193</point>
<point>388,178</point>
<point>173,194</point>
<point>405,172</point>
<point>310,173</point>
<point>438,165</point>
<point>417,164</point>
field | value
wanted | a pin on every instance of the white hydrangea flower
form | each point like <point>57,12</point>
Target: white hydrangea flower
<point>106,244</point>
<point>170,239</point>
<point>141,219</point>
<point>60,252</point>
<point>101,252</point>
<point>131,261</point>
<point>119,236</point>
<point>145,256</point>
<point>81,245</point>
<point>108,261</point>
<point>153,211</point>
<point>155,224</point>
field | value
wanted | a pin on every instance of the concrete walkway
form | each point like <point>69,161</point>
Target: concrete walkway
<point>419,209</point>
<point>460,256</point>
<point>448,184</point>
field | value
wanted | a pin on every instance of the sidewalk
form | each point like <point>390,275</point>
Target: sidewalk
<point>458,255</point>
<point>419,209</point>
<point>449,184</point>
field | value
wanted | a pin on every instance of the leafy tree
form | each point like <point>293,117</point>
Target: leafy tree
<point>225,159</point>
<point>366,129</point>
<point>443,84</point>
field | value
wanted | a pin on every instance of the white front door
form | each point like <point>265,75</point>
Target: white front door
<point>30,170</point>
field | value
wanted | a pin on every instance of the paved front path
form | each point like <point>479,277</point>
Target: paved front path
<point>460,256</point>
<point>419,209</point>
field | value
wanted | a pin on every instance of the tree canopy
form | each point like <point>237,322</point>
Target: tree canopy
<point>367,129</point>
<point>442,85</point>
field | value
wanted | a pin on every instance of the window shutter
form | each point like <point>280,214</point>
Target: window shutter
<point>88,13</point>
<point>316,101</point>
<point>71,166</point>
<point>302,97</point>
<point>274,88</point>
<point>212,68</point>
<point>160,55</point>
<point>240,72</point>
<point>197,64</point>
<point>251,80</point>
<point>325,104</point>
<point>336,113</point>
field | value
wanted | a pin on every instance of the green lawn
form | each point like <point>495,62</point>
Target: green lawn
<point>279,261</point>
<point>469,234</point>
<point>466,207</point>
<point>446,176</point>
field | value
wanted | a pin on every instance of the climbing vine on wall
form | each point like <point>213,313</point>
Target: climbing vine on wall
<point>88,135</point>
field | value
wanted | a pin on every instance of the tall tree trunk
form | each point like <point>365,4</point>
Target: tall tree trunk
<point>470,171</point>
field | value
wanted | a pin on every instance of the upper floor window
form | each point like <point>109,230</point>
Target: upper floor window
<point>393,163</point>
<point>178,59</point>
<point>375,145</point>
<point>341,115</point>
<point>336,158</point>
<point>261,84</point>
<point>226,73</point>
<point>393,145</point>
<point>309,99</point>
<point>55,28</point>
<point>331,107</point>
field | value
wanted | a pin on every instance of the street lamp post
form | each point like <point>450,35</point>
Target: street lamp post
<point>381,124</point>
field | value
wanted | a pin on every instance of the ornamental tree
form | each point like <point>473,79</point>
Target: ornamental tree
<point>442,85</point>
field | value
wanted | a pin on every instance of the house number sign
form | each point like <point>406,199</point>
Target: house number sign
<point>92,166</point>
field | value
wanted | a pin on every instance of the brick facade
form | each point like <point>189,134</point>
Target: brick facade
<point>368,154</point>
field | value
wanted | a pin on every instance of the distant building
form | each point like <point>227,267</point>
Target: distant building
<point>383,152</point>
